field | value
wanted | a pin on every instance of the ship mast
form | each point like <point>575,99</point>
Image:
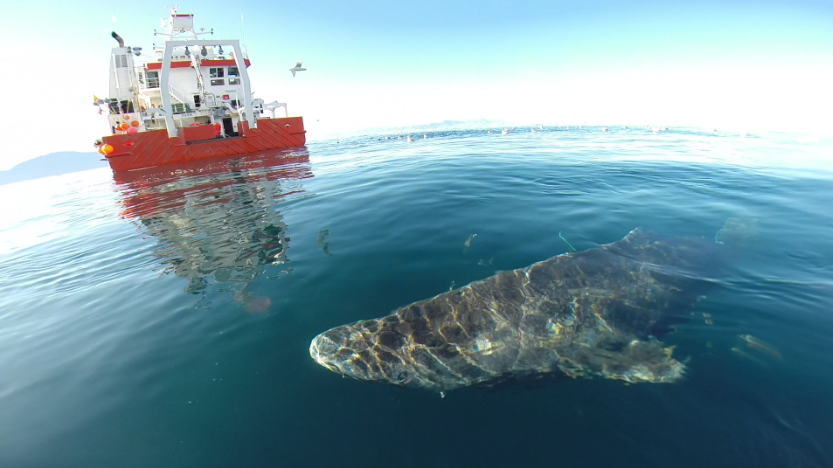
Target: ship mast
<point>182,26</point>
<point>179,33</point>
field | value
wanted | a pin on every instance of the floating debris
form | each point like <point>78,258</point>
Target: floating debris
<point>748,356</point>
<point>565,240</point>
<point>451,288</point>
<point>708,318</point>
<point>467,245</point>
<point>257,305</point>
<point>322,236</point>
<point>761,346</point>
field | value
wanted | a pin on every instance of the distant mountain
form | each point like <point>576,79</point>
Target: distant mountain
<point>51,165</point>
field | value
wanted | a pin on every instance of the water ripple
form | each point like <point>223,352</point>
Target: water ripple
<point>162,317</point>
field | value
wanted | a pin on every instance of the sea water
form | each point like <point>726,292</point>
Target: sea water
<point>162,318</point>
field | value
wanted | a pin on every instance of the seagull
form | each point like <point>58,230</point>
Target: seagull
<point>297,68</point>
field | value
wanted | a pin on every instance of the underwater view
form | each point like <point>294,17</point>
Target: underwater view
<point>552,296</point>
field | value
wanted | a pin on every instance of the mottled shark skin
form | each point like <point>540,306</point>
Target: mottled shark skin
<point>583,314</point>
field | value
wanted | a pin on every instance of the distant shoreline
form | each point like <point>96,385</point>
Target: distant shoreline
<point>52,165</point>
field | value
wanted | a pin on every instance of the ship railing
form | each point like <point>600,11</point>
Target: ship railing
<point>176,94</point>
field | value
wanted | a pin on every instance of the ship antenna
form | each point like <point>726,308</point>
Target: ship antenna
<point>242,32</point>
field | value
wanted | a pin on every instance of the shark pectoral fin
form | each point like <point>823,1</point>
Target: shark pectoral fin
<point>737,232</point>
<point>570,368</point>
<point>643,361</point>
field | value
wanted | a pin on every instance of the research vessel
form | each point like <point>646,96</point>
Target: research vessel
<point>191,100</point>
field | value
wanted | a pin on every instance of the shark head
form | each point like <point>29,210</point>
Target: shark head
<point>359,351</point>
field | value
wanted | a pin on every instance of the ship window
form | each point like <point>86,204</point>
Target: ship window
<point>216,72</point>
<point>121,61</point>
<point>153,79</point>
<point>233,71</point>
<point>234,81</point>
<point>218,82</point>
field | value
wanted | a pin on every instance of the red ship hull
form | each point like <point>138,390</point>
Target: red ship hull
<point>155,148</point>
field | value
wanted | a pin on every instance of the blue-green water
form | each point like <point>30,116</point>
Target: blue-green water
<point>163,319</point>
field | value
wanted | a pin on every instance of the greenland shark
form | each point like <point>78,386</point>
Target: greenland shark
<point>591,313</point>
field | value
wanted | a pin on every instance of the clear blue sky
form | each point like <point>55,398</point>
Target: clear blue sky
<point>744,65</point>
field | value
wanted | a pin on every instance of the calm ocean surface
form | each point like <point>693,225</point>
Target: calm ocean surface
<point>163,319</point>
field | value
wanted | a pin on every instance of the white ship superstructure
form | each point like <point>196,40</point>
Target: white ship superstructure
<point>189,100</point>
<point>206,79</point>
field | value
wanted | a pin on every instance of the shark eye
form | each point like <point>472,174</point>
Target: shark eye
<point>402,376</point>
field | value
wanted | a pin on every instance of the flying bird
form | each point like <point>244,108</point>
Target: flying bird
<point>297,68</point>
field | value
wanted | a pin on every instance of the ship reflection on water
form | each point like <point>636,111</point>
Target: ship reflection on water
<point>217,222</point>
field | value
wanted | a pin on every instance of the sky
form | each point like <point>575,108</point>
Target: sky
<point>733,65</point>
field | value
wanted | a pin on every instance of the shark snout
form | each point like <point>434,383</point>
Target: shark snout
<point>331,350</point>
<point>322,349</point>
<point>346,351</point>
